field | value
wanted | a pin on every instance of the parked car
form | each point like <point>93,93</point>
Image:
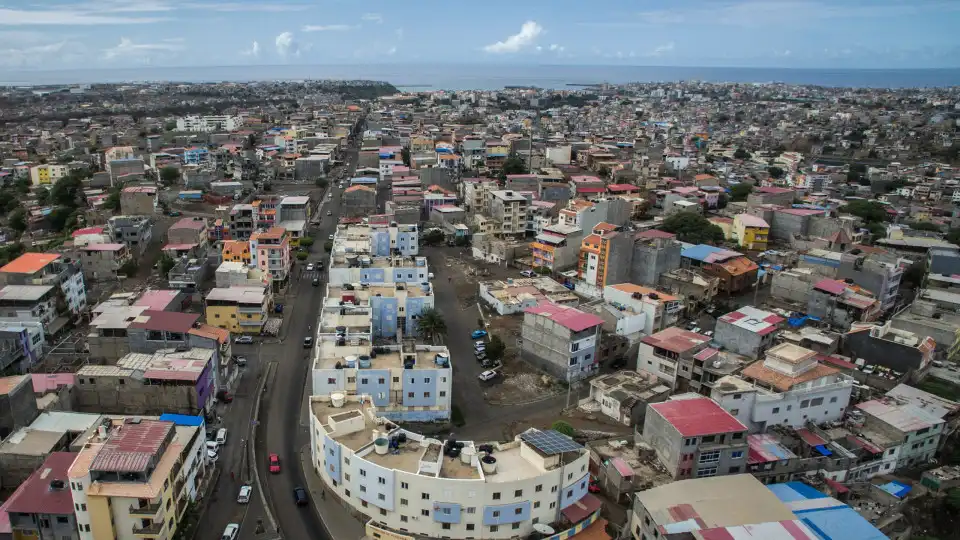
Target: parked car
<point>479,346</point>
<point>481,356</point>
<point>224,397</point>
<point>243,340</point>
<point>477,334</point>
<point>231,532</point>
<point>274,463</point>
<point>329,213</point>
<point>487,363</point>
<point>315,282</point>
<point>594,487</point>
<point>528,273</point>
<point>173,213</point>
<point>487,375</point>
<point>240,360</point>
<point>310,267</point>
<point>307,342</point>
<point>708,333</point>
<point>300,496</point>
<point>244,496</point>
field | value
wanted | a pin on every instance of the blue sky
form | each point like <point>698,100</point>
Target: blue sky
<point>58,34</point>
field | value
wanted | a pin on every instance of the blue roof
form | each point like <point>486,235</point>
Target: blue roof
<point>896,489</point>
<point>827,517</point>
<point>182,419</point>
<point>700,251</point>
<point>363,180</point>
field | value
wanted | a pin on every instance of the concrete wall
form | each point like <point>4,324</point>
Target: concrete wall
<point>18,408</point>
<point>792,287</point>
<point>742,340</point>
<point>882,352</point>
<point>109,395</point>
<point>547,344</point>
<point>653,258</point>
<point>785,226</point>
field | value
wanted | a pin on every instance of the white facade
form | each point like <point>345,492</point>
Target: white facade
<point>47,173</point>
<point>209,123</point>
<point>75,292</point>
<point>662,310</point>
<point>418,490</point>
<point>559,155</point>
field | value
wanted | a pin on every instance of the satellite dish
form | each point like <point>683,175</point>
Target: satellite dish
<point>543,528</point>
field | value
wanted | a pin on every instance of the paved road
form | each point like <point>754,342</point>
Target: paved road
<point>280,430</point>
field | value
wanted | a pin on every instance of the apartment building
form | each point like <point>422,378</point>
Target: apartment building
<point>206,124</point>
<point>413,485</point>
<point>359,201</point>
<point>138,200</point>
<point>242,223</point>
<point>561,340</point>
<point>241,274</point>
<point>736,272</point>
<point>751,232</point>
<point>841,304</point>
<point>662,353</point>
<point>748,331</point>
<point>557,248</point>
<point>42,507</point>
<point>604,259</point>
<point>879,274</point>
<point>135,232</point>
<point>377,254</point>
<point>102,262</point>
<point>270,252</point>
<point>390,239</point>
<point>790,387</point>
<point>394,307</point>
<point>135,478</point>
<point>240,310</point>
<point>911,433</point>
<point>694,437</point>
<point>508,210</point>
<point>49,269</point>
<point>189,231</point>
<point>47,174</point>
<point>30,303</point>
<point>236,251</point>
<point>660,310</point>
<point>652,258</point>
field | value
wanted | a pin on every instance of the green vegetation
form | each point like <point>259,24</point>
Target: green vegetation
<point>776,172</point>
<point>923,226</point>
<point>868,211</point>
<point>43,196</point>
<point>741,153</point>
<point>940,387</point>
<point>18,220</point>
<point>514,164</point>
<point>953,236</point>
<point>433,238</point>
<point>693,228</point>
<point>405,155</point>
<point>306,241</point>
<point>169,175</point>
<point>495,348</point>
<point>166,263</point>
<point>562,427</point>
<point>740,192</point>
<point>322,183</point>
<point>302,255</point>
<point>430,324</point>
<point>328,246</point>
<point>129,268</point>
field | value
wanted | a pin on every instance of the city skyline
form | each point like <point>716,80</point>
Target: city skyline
<point>847,34</point>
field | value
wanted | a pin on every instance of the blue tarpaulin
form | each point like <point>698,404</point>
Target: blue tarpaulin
<point>896,489</point>
<point>182,419</point>
<point>823,450</point>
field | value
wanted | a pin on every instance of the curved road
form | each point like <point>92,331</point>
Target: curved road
<point>280,430</point>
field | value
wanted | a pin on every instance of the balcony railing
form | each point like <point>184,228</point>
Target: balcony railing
<point>148,510</point>
<point>154,529</point>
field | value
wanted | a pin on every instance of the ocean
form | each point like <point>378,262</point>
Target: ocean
<point>492,77</point>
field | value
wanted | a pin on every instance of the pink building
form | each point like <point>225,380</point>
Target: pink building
<point>270,252</point>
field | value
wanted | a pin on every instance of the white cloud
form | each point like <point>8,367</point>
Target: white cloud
<point>127,49</point>
<point>287,45</point>
<point>155,6</point>
<point>392,50</point>
<point>372,17</point>
<point>557,48</point>
<point>71,17</point>
<point>661,50</point>
<point>327,28</point>
<point>527,35</point>
<point>253,51</point>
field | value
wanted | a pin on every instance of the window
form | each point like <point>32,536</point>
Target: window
<point>403,485</point>
<point>410,394</point>
<point>425,513</point>
<point>710,457</point>
<point>471,509</point>
<point>833,399</point>
<point>493,528</point>
<point>517,511</point>
<point>331,380</point>
<point>737,436</point>
<point>736,455</point>
<point>708,439</point>
<point>446,526</point>
<point>539,488</point>
<point>536,504</point>
<point>381,496</point>
<point>734,411</point>
<point>363,489</point>
<point>816,402</point>
<point>734,470</point>
<point>446,511</point>
<point>426,394</point>
<point>363,381</point>
<point>443,394</point>
<point>553,505</point>
<point>518,493</point>
<point>350,380</point>
<point>382,481</point>
<point>346,492</point>
<point>403,502</point>
<point>496,496</point>
<point>775,410</point>
<point>363,472</point>
<point>804,404</point>
<point>425,496</point>
<point>469,526</point>
<point>346,476</point>
<point>383,512</point>
<point>516,526</point>
<point>363,504</point>
<point>690,442</point>
<point>496,513</point>
<point>573,361</point>
<point>553,489</point>
<point>396,379</point>
<point>403,518</point>
<point>381,380</point>
<point>737,396</point>
<point>709,471</point>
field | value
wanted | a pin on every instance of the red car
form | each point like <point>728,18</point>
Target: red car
<point>593,487</point>
<point>274,462</point>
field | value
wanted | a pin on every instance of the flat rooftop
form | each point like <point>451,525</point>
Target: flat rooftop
<point>355,320</point>
<point>329,353</point>
<point>362,295</point>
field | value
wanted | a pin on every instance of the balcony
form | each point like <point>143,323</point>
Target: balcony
<point>149,510</point>
<point>150,531</point>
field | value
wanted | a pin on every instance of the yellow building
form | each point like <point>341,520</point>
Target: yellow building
<point>236,251</point>
<point>751,232</point>
<point>47,174</point>
<point>241,310</point>
<point>135,477</point>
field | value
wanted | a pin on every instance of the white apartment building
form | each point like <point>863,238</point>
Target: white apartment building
<point>476,191</point>
<point>914,432</point>
<point>367,254</point>
<point>788,388</point>
<point>414,485</point>
<point>508,209</point>
<point>661,310</point>
<point>209,123</point>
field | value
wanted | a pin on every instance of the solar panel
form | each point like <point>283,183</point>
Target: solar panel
<point>550,442</point>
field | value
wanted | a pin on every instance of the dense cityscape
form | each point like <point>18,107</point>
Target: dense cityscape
<point>342,309</point>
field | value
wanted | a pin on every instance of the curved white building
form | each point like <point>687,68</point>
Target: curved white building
<point>420,486</point>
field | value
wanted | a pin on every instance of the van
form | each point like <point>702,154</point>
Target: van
<point>528,273</point>
<point>244,496</point>
<point>222,436</point>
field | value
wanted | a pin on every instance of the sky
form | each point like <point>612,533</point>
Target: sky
<point>875,34</point>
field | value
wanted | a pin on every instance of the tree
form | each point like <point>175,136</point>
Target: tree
<point>322,183</point>
<point>741,154</point>
<point>776,172</point>
<point>405,155</point>
<point>129,268</point>
<point>603,172</point>
<point>43,196</point>
<point>306,241</point>
<point>302,255</point>
<point>18,220</point>
<point>953,236</point>
<point>169,175</point>
<point>166,263</point>
<point>868,211</point>
<point>722,201</point>
<point>170,126</point>
<point>68,191</point>
<point>923,226</point>
<point>430,324</point>
<point>328,246</point>
<point>433,237</point>
<point>513,165</point>
<point>693,228</point>
<point>562,427</point>
<point>914,274</point>
<point>877,229</point>
<point>112,202</point>
<point>740,191</point>
<point>495,348</point>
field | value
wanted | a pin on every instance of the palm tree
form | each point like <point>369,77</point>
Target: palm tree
<point>430,324</point>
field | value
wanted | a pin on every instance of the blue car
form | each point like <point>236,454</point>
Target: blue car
<point>477,334</point>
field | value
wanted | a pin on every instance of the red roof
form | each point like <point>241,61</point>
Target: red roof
<point>655,233</point>
<point>622,187</point>
<point>579,510</point>
<point>588,189</point>
<point>570,318</point>
<point>167,321</point>
<point>832,286</point>
<point>810,438</point>
<point>835,361</point>
<point>698,416</point>
<point>86,230</point>
<point>675,339</point>
<point>36,496</point>
<point>131,447</point>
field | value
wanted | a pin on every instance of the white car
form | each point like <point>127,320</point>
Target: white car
<point>329,212</point>
<point>231,532</point>
<point>310,267</point>
<point>244,496</point>
<point>528,273</point>
<point>487,375</point>
<point>330,237</point>
<point>212,456</point>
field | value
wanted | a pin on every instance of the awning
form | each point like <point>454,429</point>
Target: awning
<point>57,325</point>
<point>836,486</point>
<point>810,438</point>
<point>579,510</point>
